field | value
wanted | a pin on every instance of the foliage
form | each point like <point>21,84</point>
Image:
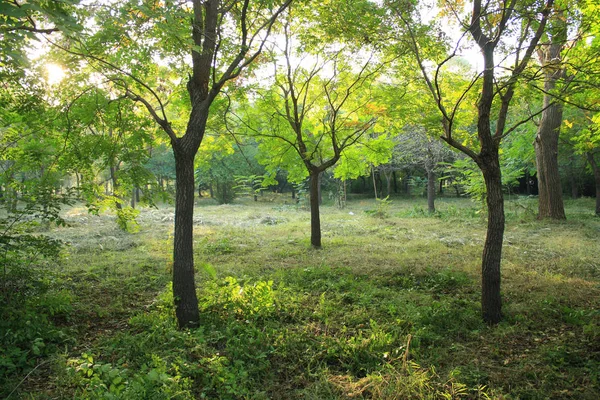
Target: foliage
<point>382,209</point>
<point>324,112</point>
<point>396,319</point>
<point>291,323</point>
<point>24,22</point>
<point>249,185</point>
<point>469,176</point>
<point>29,298</point>
<point>98,380</point>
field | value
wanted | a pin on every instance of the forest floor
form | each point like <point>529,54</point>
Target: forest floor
<point>388,309</point>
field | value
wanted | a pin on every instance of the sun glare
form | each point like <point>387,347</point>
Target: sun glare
<point>54,73</point>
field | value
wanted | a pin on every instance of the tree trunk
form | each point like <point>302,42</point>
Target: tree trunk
<point>315,218</point>
<point>115,185</point>
<point>546,140</point>
<point>431,191</point>
<point>596,169</point>
<point>184,288</point>
<point>395,181</point>
<point>374,182</point>
<point>546,154</point>
<point>527,183</point>
<point>491,302</point>
<point>319,188</point>
<point>11,196</point>
<point>388,181</point>
<point>574,187</point>
<point>573,178</point>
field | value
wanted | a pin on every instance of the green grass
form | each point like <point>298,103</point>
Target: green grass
<point>389,309</point>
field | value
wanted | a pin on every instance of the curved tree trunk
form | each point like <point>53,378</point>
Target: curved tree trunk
<point>491,302</point>
<point>184,288</point>
<point>431,191</point>
<point>315,218</point>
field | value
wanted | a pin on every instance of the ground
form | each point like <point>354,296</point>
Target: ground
<point>389,309</point>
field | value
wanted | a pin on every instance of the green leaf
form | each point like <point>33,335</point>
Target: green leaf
<point>209,269</point>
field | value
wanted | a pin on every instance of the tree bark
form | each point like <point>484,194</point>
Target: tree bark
<point>184,288</point>
<point>574,188</point>
<point>488,160</point>
<point>320,194</point>
<point>431,191</point>
<point>315,218</point>
<point>491,302</point>
<point>546,154</point>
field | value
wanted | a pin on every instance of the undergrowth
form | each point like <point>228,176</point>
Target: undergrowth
<point>388,310</point>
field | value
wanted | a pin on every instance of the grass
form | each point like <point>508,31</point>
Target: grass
<point>389,309</point>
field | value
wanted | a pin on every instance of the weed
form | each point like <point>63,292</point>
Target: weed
<point>382,208</point>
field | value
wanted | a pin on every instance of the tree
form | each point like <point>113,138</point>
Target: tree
<point>546,141</point>
<point>108,139</point>
<point>586,137</point>
<point>30,186</point>
<point>311,116</point>
<point>419,148</point>
<point>488,25</point>
<point>226,38</point>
